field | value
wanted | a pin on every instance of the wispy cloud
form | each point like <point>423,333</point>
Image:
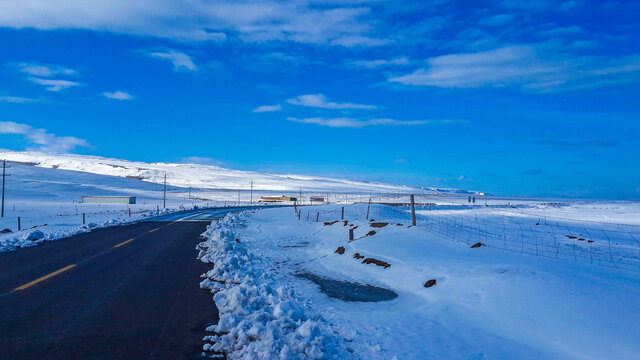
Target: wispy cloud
<point>16,99</point>
<point>43,70</point>
<point>497,20</point>
<point>54,85</point>
<point>321,101</point>
<point>344,122</point>
<point>43,140</point>
<point>180,60</point>
<point>377,63</point>
<point>267,108</point>
<point>538,67</point>
<point>333,23</point>
<point>117,95</point>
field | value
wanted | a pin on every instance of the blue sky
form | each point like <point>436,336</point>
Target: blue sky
<point>511,97</point>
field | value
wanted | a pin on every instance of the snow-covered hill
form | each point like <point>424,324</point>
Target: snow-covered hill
<point>200,176</point>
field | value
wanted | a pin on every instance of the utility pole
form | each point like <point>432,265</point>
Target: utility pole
<point>251,192</point>
<point>4,170</point>
<point>164,196</point>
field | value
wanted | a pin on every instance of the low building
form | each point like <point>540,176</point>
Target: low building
<point>124,200</point>
<point>277,198</point>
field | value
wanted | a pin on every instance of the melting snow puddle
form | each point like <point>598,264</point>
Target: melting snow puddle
<point>349,291</point>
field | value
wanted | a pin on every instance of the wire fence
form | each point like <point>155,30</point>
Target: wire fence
<point>599,243</point>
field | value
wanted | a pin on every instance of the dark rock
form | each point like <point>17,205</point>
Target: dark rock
<point>358,256</point>
<point>430,283</point>
<point>329,223</point>
<point>571,236</point>
<point>340,250</point>
<point>476,245</point>
<point>238,240</point>
<point>371,233</point>
<point>5,231</point>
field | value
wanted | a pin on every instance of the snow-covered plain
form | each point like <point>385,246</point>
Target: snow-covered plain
<point>48,203</point>
<point>44,191</point>
<point>487,302</point>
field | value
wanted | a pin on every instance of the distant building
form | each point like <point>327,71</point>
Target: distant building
<point>316,198</point>
<point>277,198</point>
<point>124,200</point>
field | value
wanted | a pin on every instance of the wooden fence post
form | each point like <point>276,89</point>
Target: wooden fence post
<point>19,227</point>
<point>83,219</point>
<point>351,234</point>
<point>413,211</point>
<point>342,216</point>
<point>318,216</point>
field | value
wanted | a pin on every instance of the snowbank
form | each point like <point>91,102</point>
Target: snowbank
<point>260,317</point>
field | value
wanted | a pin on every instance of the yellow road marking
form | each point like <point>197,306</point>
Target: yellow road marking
<point>123,243</point>
<point>156,229</point>
<point>29,284</point>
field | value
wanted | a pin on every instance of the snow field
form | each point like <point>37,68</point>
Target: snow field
<point>487,302</point>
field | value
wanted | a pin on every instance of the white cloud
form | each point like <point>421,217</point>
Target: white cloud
<point>41,70</point>
<point>267,108</point>
<point>117,95</point>
<point>537,67</point>
<point>54,85</point>
<point>43,140</point>
<point>196,20</point>
<point>16,99</point>
<point>320,101</point>
<point>371,64</point>
<point>180,60</point>
<point>355,123</point>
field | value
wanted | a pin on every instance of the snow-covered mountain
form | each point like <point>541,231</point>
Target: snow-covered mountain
<point>199,176</point>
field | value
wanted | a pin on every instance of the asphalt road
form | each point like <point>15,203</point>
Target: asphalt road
<point>126,292</point>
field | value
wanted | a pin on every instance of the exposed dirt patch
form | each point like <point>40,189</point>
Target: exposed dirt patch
<point>378,224</point>
<point>329,223</point>
<point>358,256</point>
<point>371,233</point>
<point>340,250</point>
<point>571,236</point>
<point>476,245</point>
<point>375,261</point>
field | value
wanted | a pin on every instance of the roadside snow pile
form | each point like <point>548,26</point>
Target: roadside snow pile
<point>32,237</point>
<point>284,290</point>
<point>260,317</point>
